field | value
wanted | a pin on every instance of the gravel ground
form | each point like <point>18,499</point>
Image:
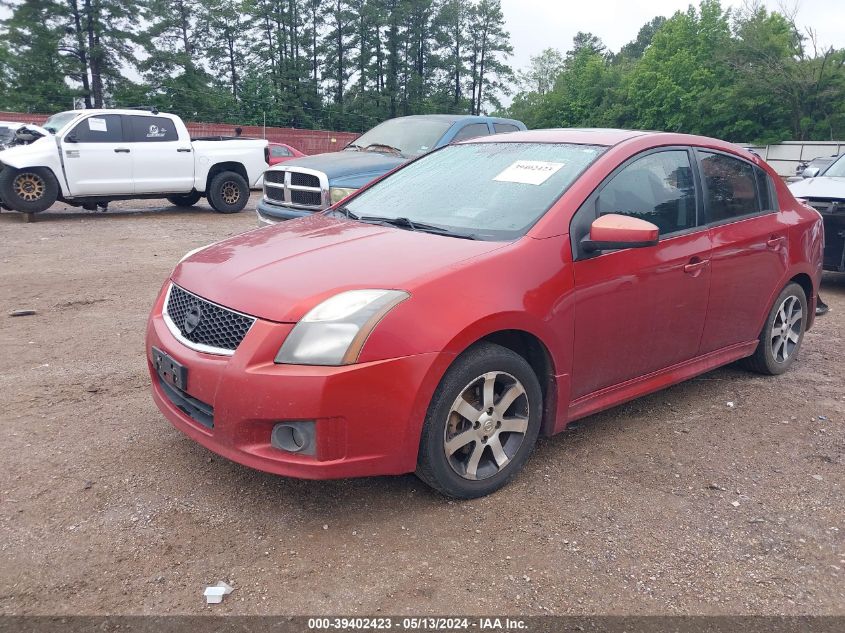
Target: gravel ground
<point>676,503</point>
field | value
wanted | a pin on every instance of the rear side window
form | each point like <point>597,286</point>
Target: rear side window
<point>152,129</point>
<point>766,191</point>
<point>278,151</point>
<point>106,128</point>
<point>473,130</point>
<point>658,188</point>
<point>730,187</point>
<point>504,128</point>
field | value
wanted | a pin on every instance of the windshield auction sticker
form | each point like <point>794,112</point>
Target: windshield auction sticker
<point>529,172</point>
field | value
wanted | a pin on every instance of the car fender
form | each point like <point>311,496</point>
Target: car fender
<point>42,153</point>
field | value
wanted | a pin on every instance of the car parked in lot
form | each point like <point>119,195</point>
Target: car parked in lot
<point>813,168</point>
<point>826,194</point>
<point>281,153</point>
<point>442,318</point>
<point>90,157</point>
<point>307,185</point>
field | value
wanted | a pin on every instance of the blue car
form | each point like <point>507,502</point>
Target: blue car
<point>306,185</point>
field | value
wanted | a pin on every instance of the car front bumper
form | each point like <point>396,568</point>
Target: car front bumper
<point>368,416</point>
<point>273,214</point>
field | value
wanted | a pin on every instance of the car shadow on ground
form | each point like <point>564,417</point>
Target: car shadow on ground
<point>12,217</point>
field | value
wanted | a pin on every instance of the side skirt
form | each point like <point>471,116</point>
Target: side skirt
<point>632,389</point>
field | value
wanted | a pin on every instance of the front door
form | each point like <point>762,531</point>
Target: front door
<point>640,310</point>
<point>97,158</point>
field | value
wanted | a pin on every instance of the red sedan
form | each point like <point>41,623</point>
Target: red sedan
<point>280,153</point>
<point>440,319</point>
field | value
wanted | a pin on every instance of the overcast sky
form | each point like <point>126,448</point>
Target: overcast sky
<point>538,24</point>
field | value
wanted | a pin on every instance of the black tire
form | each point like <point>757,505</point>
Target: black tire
<point>30,190</point>
<point>779,344</point>
<point>228,192</point>
<point>451,474</point>
<point>185,199</point>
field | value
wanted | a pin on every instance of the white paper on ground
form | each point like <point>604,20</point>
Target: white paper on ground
<point>97,125</point>
<point>214,593</point>
<point>529,172</point>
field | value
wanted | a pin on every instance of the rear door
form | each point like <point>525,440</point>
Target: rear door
<point>749,248</point>
<point>163,162</point>
<point>640,310</point>
<point>97,159</point>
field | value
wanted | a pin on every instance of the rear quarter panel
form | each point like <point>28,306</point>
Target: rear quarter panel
<point>247,152</point>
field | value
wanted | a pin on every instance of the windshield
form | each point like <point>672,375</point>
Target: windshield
<point>837,169</point>
<point>7,134</point>
<point>490,191</point>
<point>412,136</point>
<point>56,122</point>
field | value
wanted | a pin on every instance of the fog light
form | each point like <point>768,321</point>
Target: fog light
<point>294,437</point>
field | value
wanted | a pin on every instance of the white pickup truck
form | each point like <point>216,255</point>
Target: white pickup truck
<point>90,157</point>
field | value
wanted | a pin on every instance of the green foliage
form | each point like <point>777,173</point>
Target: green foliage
<point>339,64</point>
<point>746,76</point>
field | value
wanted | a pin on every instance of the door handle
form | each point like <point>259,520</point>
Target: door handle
<point>775,241</point>
<point>121,150</point>
<point>695,265</point>
<point>184,149</point>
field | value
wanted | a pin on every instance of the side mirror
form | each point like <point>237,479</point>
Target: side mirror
<point>71,138</point>
<point>614,231</point>
<point>810,172</point>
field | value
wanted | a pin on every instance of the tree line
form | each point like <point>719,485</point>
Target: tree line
<point>745,75</point>
<point>331,64</point>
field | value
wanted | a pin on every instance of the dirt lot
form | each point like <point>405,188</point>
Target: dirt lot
<point>675,503</point>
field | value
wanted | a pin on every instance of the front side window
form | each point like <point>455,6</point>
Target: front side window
<point>152,129</point>
<point>103,128</point>
<point>471,131</point>
<point>731,190</point>
<point>492,191</point>
<point>658,188</point>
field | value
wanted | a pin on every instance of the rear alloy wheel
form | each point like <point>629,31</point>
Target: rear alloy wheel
<point>782,333</point>
<point>228,192</point>
<point>29,190</point>
<point>482,423</point>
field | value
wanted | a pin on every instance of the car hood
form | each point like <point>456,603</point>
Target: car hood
<point>280,272</point>
<point>819,187</point>
<point>349,168</point>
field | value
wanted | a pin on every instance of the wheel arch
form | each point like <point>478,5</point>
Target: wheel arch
<point>806,282</point>
<point>219,168</point>
<point>527,342</point>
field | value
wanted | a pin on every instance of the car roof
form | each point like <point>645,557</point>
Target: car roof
<point>453,118</point>
<point>606,137</point>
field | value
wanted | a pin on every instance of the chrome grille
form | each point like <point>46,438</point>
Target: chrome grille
<point>203,325</point>
<point>276,177</point>
<point>297,187</point>
<point>298,179</point>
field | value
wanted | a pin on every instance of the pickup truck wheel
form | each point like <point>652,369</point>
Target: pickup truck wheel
<point>185,199</point>
<point>28,190</point>
<point>228,192</point>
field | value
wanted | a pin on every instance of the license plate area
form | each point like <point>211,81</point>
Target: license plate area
<point>169,370</point>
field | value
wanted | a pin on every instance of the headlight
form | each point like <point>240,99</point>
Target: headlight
<point>339,193</point>
<point>334,332</point>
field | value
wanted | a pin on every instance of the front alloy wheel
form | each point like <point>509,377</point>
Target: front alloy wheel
<point>482,423</point>
<point>486,426</point>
